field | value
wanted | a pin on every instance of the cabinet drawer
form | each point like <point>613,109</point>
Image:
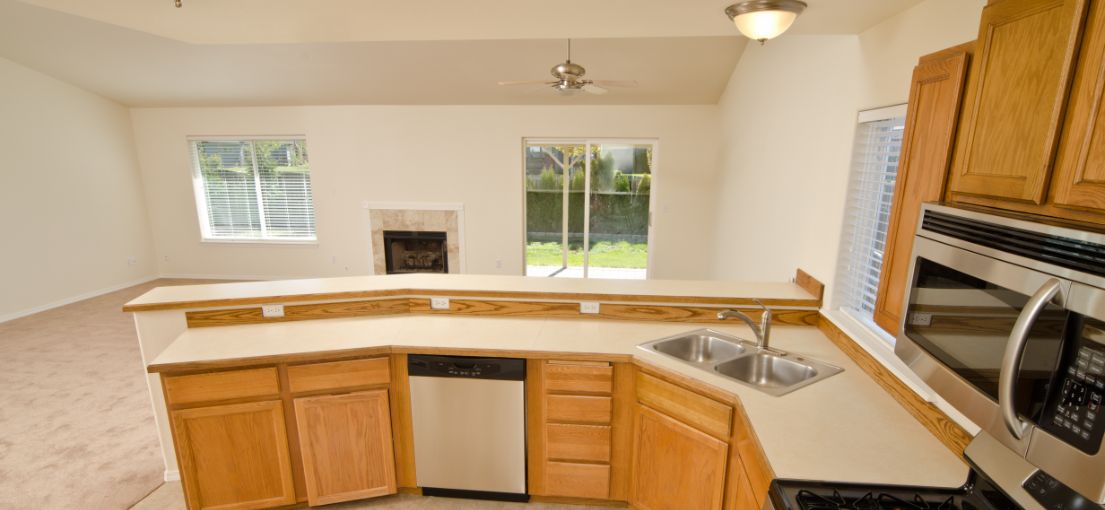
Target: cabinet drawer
<point>577,480</point>
<point>703,413</point>
<point>578,377</point>
<point>578,442</point>
<point>214,386</point>
<point>578,409</point>
<point>338,374</point>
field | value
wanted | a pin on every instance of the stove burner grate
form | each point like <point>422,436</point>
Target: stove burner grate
<point>808,500</point>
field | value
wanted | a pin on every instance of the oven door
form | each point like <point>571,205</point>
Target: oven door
<point>985,334</point>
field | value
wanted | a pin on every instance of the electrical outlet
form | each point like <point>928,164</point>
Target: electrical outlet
<point>272,310</point>
<point>498,263</point>
<point>920,319</point>
<point>132,260</point>
<point>588,307</point>
<point>439,303</point>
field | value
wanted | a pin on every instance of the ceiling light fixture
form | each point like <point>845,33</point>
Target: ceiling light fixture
<point>761,20</point>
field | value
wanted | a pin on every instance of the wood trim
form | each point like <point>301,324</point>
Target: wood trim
<point>535,426</point>
<point>409,293</point>
<point>810,284</point>
<point>291,426</point>
<point>402,426</point>
<point>944,54</point>
<point>939,424</point>
<point>625,408</point>
<point>489,308</point>
<point>335,310</point>
<point>562,500</point>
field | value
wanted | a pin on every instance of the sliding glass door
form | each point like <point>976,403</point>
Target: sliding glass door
<point>588,208</point>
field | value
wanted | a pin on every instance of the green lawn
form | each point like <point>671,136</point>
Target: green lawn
<point>603,254</point>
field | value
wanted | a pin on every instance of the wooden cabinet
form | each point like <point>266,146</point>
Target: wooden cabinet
<point>346,445</point>
<point>1016,97</point>
<point>676,467</point>
<point>574,424</point>
<point>934,101</point>
<point>234,456</point>
<point>1079,181</point>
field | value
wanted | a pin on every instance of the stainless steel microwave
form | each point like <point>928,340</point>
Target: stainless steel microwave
<point>1005,319</point>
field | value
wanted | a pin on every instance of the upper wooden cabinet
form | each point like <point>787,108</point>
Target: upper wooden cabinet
<point>346,445</point>
<point>1016,97</point>
<point>934,100</point>
<point>1079,181</point>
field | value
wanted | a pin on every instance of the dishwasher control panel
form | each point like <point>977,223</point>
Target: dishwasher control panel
<point>503,369</point>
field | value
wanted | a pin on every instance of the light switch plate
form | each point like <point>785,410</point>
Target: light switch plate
<point>270,311</point>
<point>588,307</point>
<point>439,303</point>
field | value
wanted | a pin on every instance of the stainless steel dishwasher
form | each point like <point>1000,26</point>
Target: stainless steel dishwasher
<point>469,419</point>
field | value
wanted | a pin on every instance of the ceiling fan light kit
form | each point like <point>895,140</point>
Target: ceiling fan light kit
<point>761,20</point>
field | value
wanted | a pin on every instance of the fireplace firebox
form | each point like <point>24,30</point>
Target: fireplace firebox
<point>415,252</point>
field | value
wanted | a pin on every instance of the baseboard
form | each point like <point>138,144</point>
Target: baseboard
<point>73,299</point>
<point>172,475</point>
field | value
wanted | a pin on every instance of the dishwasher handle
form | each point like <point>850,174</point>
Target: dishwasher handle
<point>466,367</point>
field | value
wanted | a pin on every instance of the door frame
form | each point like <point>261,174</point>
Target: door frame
<point>587,141</point>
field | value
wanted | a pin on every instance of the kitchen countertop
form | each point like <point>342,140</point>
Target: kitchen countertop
<point>844,428</point>
<point>222,294</point>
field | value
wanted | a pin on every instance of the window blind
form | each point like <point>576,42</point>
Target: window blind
<point>877,147</point>
<point>256,189</point>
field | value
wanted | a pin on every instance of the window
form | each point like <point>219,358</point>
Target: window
<point>253,189</point>
<point>877,146</point>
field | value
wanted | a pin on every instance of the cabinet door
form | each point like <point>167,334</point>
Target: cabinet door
<point>934,100</point>
<point>1016,96</point>
<point>675,466</point>
<point>346,444</point>
<point>234,456</point>
<point>1080,167</point>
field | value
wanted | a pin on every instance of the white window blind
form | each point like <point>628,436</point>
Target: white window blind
<point>255,189</point>
<point>877,146</point>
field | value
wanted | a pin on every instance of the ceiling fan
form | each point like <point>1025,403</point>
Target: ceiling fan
<point>569,79</point>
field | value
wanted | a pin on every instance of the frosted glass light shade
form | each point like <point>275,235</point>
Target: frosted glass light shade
<point>761,20</point>
<point>764,25</point>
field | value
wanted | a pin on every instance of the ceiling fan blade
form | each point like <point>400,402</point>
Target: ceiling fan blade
<point>594,89</point>
<point>524,82</point>
<point>616,83</point>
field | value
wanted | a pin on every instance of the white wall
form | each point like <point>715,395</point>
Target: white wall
<point>71,195</point>
<point>788,118</point>
<point>466,154</point>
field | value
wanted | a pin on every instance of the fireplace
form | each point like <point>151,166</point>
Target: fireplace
<point>415,252</point>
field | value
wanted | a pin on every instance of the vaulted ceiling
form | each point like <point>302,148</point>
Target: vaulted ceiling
<point>289,52</point>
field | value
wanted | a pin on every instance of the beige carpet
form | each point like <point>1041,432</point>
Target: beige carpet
<point>76,427</point>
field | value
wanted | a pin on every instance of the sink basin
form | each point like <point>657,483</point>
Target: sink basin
<point>775,373</point>
<point>699,347</point>
<point>768,370</point>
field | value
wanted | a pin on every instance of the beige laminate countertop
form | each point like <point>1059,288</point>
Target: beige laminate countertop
<point>844,428</point>
<point>188,296</point>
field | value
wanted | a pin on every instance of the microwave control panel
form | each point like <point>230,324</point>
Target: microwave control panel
<point>1076,414</point>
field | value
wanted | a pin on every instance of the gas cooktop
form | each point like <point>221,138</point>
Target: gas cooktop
<point>978,494</point>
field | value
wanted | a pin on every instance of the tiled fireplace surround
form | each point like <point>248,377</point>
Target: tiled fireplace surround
<point>446,220</point>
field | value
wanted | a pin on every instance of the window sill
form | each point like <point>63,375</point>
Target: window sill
<point>301,242</point>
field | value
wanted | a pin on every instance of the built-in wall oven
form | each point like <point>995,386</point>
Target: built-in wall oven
<point>1005,320</point>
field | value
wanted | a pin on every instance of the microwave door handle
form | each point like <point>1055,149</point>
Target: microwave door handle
<point>1014,352</point>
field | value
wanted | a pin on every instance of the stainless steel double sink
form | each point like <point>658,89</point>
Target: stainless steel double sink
<point>768,370</point>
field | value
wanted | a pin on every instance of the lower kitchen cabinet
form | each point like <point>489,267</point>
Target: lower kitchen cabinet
<point>234,456</point>
<point>346,445</point>
<point>676,467</point>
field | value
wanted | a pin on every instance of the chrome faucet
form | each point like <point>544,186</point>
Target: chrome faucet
<point>761,330</point>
